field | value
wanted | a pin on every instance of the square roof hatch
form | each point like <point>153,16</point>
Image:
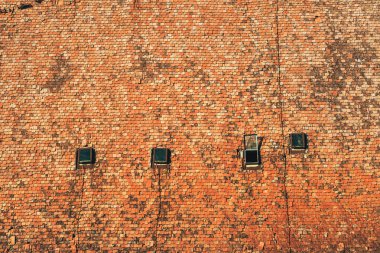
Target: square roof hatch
<point>85,156</point>
<point>160,156</point>
<point>251,154</point>
<point>298,141</point>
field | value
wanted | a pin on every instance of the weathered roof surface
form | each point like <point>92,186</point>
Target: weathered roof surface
<point>192,76</point>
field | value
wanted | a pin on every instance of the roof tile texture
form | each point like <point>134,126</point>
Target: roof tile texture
<point>193,76</point>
